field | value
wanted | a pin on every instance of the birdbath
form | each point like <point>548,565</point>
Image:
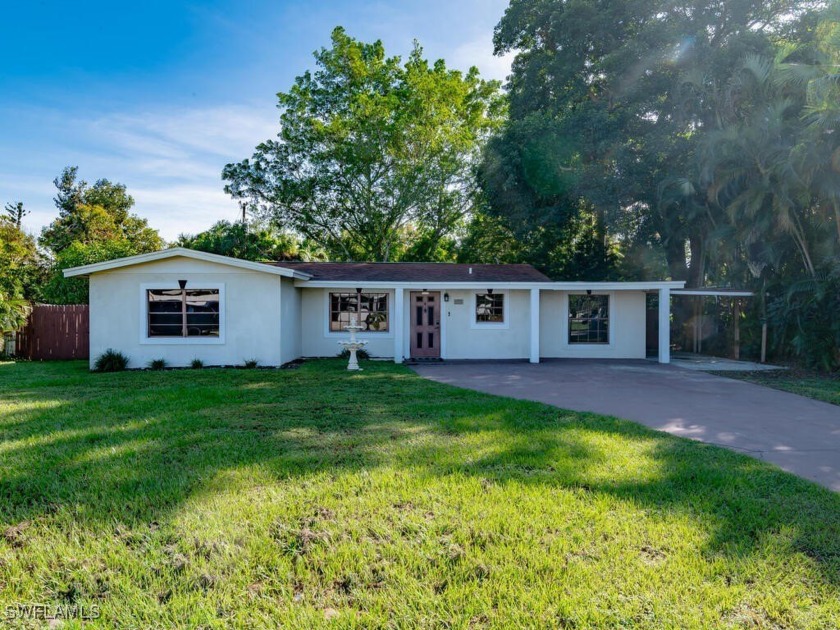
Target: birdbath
<point>353,344</point>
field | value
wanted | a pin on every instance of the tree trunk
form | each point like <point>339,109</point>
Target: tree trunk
<point>697,268</point>
<point>675,255</point>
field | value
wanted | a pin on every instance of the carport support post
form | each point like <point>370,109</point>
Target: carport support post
<point>664,325</point>
<point>535,326</point>
<point>398,325</point>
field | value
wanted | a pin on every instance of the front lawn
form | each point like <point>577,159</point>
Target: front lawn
<point>307,497</point>
<point>825,387</point>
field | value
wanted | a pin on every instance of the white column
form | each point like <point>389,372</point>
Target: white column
<point>535,326</point>
<point>397,325</point>
<point>664,325</point>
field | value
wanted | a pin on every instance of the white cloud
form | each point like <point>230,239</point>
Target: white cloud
<point>479,53</point>
<point>188,208</point>
<point>222,131</point>
<point>170,159</point>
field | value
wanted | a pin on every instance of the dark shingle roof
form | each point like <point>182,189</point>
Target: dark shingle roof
<point>415,272</point>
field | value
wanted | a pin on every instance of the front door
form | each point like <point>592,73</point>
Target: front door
<point>425,324</point>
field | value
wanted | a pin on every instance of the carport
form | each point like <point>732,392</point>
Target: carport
<point>620,329</point>
<point>700,325</point>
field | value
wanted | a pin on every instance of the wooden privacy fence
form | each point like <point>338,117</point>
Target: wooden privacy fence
<point>55,332</point>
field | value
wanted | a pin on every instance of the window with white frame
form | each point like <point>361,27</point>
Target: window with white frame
<point>370,310</point>
<point>490,308</point>
<point>589,319</point>
<point>182,313</point>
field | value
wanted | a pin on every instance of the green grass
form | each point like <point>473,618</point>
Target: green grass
<point>317,497</point>
<point>825,387</point>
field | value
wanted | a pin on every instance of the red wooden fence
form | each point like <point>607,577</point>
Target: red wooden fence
<point>55,332</point>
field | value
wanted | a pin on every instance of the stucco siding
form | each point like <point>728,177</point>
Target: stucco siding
<point>251,307</point>
<point>466,339</point>
<point>318,341</point>
<point>627,327</point>
<point>290,344</point>
<point>267,318</point>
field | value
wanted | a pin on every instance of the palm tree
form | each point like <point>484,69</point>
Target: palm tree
<point>13,313</point>
<point>750,165</point>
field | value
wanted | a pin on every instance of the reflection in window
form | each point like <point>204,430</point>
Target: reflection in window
<point>490,307</point>
<point>369,309</point>
<point>183,312</point>
<point>589,319</point>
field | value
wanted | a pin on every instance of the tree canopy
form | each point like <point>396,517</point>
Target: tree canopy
<point>21,269</point>
<point>239,240</point>
<point>610,102</point>
<point>95,214</point>
<point>94,224</point>
<point>375,157</point>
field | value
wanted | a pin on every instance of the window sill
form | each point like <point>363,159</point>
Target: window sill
<point>383,334</point>
<point>182,341</point>
<point>489,325</point>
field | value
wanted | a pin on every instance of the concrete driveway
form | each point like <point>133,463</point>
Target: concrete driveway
<point>796,433</point>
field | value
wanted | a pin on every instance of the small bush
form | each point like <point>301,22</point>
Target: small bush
<point>197,364</point>
<point>361,353</point>
<point>158,364</point>
<point>110,361</point>
<point>250,364</point>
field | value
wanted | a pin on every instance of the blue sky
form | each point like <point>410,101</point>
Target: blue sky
<point>160,95</point>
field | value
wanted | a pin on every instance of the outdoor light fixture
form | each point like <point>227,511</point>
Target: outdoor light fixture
<point>182,284</point>
<point>589,292</point>
<point>424,292</point>
<point>445,297</point>
<point>489,291</point>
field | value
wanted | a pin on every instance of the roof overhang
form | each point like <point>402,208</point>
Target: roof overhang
<point>545,286</point>
<point>646,286</point>
<point>183,252</point>
<point>715,292</point>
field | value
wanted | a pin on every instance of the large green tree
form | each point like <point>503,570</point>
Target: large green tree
<point>375,156</point>
<point>21,264</point>
<point>21,269</point>
<point>240,240</point>
<point>609,100</point>
<point>94,224</point>
<point>91,214</point>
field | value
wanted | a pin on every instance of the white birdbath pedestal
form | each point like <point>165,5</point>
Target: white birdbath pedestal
<point>353,344</point>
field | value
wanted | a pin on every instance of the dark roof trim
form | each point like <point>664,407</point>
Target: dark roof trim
<point>414,272</point>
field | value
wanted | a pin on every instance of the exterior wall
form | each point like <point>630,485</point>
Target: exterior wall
<point>627,327</point>
<point>464,338</point>
<point>265,317</point>
<point>318,341</point>
<point>290,312</point>
<point>251,326</point>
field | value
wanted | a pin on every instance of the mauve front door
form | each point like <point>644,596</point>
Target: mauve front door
<point>425,324</point>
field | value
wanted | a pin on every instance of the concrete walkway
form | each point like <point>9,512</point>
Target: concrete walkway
<point>798,434</point>
<point>716,364</point>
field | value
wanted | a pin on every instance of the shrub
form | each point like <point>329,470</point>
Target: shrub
<point>250,364</point>
<point>197,364</point>
<point>110,361</point>
<point>158,364</point>
<point>361,353</point>
<point>805,325</point>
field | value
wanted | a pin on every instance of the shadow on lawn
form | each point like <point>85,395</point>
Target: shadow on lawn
<point>128,448</point>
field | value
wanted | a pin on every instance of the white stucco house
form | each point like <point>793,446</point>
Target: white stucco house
<point>179,305</point>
